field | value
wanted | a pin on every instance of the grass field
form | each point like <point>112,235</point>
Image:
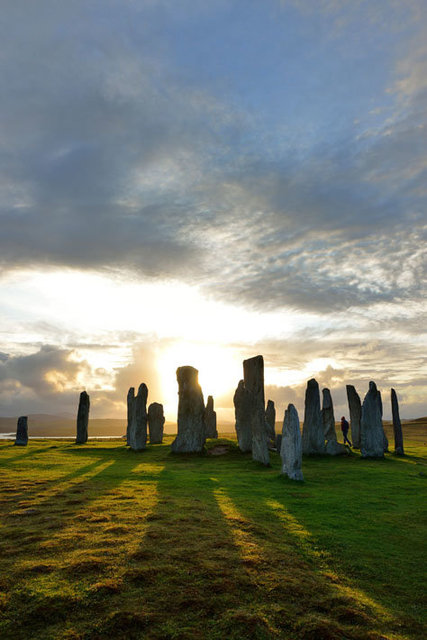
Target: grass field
<point>100,542</point>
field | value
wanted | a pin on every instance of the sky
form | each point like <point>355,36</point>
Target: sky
<point>196,183</point>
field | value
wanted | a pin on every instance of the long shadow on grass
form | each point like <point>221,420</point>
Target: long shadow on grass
<point>47,531</point>
<point>187,578</point>
<point>278,504</point>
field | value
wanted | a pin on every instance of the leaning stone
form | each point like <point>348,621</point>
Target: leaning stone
<point>291,445</point>
<point>210,419</point>
<point>22,431</point>
<point>156,422</point>
<point>334,448</point>
<point>138,427</point>
<point>83,418</point>
<point>270,420</point>
<point>371,427</point>
<point>191,409</point>
<point>328,417</point>
<point>355,409</point>
<point>130,401</point>
<point>242,412</point>
<point>313,439</point>
<point>253,375</point>
<point>397,425</point>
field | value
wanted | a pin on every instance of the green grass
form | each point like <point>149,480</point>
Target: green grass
<point>100,542</point>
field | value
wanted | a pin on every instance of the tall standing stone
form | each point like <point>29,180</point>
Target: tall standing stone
<point>210,419</point>
<point>22,431</point>
<point>253,375</point>
<point>291,445</point>
<point>313,438</point>
<point>371,427</point>
<point>333,447</point>
<point>385,439</point>
<point>156,422</point>
<point>355,409</point>
<point>191,409</point>
<point>328,417</point>
<point>270,420</point>
<point>138,426</point>
<point>242,412</point>
<point>83,418</point>
<point>130,401</point>
<point>397,426</point>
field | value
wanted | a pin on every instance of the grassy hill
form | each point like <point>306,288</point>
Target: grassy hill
<point>100,542</point>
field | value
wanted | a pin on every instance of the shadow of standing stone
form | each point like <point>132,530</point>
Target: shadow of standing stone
<point>253,375</point>
<point>22,431</point>
<point>313,439</point>
<point>355,409</point>
<point>242,412</point>
<point>191,409</point>
<point>156,422</point>
<point>397,425</point>
<point>371,426</point>
<point>83,418</point>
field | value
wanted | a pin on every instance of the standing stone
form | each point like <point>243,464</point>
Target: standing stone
<point>270,420</point>
<point>210,419</point>
<point>138,426</point>
<point>397,426</point>
<point>130,401</point>
<point>385,439</point>
<point>328,417</point>
<point>313,439</point>
<point>22,431</point>
<point>191,409</point>
<point>242,412</point>
<point>355,409</point>
<point>278,442</point>
<point>371,428</point>
<point>253,375</point>
<point>291,446</point>
<point>82,418</point>
<point>333,447</point>
<point>156,421</point>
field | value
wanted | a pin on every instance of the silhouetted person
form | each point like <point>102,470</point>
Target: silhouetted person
<point>344,428</point>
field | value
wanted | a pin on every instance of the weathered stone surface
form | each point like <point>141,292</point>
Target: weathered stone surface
<point>335,448</point>
<point>355,409</point>
<point>242,412</point>
<point>385,439</point>
<point>313,438</point>
<point>138,425</point>
<point>210,419</point>
<point>328,417</point>
<point>83,418</point>
<point>191,409</point>
<point>156,422</point>
<point>253,375</point>
<point>130,401</point>
<point>397,426</point>
<point>22,431</point>
<point>371,427</point>
<point>270,420</point>
<point>291,445</point>
<point>278,442</point>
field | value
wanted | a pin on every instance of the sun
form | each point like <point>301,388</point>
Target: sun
<point>220,370</point>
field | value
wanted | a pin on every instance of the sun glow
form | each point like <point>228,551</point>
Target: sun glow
<point>219,370</point>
